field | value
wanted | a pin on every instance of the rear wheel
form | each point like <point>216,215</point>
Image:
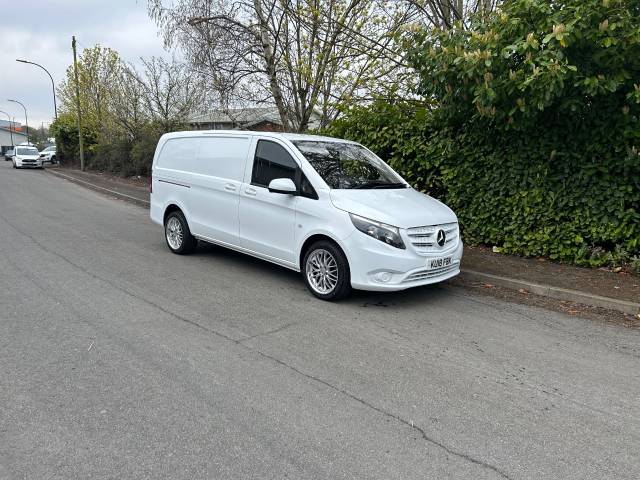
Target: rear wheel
<point>326,271</point>
<point>177,234</point>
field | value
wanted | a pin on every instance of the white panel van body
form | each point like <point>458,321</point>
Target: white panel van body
<point>327,207</point>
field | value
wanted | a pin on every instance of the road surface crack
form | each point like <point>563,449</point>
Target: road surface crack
<point>269,332</point>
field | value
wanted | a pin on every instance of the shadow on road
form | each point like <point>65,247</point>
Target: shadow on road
<point>281,277</point>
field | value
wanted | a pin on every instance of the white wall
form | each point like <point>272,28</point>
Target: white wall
<point>5,137</point>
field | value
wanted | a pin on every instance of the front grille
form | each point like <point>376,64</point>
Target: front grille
<point>436,272</point>
<point>423,239</point>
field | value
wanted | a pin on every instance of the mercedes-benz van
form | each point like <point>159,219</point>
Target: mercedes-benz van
<point>326,207</point>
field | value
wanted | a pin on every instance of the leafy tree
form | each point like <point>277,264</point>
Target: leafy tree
<point>579,58</point>
<point>99,69</point>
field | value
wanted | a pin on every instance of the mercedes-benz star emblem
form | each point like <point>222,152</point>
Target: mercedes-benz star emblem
<point>441,237</point>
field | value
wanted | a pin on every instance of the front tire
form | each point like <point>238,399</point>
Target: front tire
<point>177,234</point>
<point>325,270</point>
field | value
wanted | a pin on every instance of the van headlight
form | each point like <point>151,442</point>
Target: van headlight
<point>380,231</point>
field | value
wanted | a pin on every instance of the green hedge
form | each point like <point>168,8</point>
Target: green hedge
<point>532,130</point>
<point>544,193</point>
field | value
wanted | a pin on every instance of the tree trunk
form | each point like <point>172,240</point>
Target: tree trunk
<point>270,63</point>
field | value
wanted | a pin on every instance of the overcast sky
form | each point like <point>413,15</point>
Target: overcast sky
<point>41,30</point>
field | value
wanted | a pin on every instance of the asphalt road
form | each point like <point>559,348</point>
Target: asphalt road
<point>121,360</point>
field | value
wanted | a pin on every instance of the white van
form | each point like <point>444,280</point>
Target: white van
<point>26,157</point>
<point>329,208</point>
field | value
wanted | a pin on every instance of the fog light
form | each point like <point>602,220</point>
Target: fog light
<point>383,277</point>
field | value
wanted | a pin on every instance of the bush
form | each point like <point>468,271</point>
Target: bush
<point>111,150</point>
<point>65,131</point>
<point>533,136</point>
<point>143,150</point>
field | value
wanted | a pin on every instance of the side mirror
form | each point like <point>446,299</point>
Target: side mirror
<point>283,185</point>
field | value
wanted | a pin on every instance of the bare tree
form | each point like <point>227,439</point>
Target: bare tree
<point>127,103</point>
<point>447,13</point>
<point>168,91</point>
<point>303,56</point>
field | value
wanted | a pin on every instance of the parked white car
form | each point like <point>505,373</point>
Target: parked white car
<point>49,154</point>
<point>327,207</point>
<point>26,157</point>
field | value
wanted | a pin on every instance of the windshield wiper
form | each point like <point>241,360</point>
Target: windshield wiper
<point>380,184</point>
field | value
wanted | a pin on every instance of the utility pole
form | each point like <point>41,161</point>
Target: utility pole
<point>75,73</point>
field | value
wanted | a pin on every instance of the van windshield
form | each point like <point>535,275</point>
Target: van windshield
<point>348,165</point>
<point>26,151</point>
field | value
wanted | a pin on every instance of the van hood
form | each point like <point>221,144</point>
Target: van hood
<point>400,207</point>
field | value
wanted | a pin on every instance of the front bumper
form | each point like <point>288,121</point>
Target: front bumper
<point>376,266</point>
<point>28,163</point>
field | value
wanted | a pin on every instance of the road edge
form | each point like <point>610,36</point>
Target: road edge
<point>93,186</point>
<point>549,291</point>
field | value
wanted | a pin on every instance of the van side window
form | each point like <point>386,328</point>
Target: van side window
<point>272,161</point>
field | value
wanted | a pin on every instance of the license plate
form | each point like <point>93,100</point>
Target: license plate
<point>439,262</point>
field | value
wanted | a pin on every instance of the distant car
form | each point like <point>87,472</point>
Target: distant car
<point>8,154</point>
<point>49,155</point>
<point>26,157</point>
<point>3,151</point>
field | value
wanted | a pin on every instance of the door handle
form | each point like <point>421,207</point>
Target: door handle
<point>230,187</point>
<point>251,191</point>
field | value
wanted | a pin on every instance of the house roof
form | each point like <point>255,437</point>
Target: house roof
<point>235,115</point>
<point>247,117</point>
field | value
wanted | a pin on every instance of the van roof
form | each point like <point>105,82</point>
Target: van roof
<point>244,133</point>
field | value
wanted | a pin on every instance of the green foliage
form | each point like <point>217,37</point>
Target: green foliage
<point>571,60</point>
<point>123,114</point>
<point>65,131</point>
<point>143,150</point>
<point>534,130</point>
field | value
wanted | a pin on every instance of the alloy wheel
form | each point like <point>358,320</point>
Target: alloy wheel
<point>322,271</point>
<point>174,232</point>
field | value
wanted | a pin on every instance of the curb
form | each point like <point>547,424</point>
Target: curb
<point>557,293</point>
<point>93,186</point>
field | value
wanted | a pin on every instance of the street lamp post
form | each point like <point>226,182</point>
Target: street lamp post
<point>53,85</point>
<point>26,119</point>
<point>10,126</point>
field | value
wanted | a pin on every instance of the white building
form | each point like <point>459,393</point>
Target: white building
<point>6,134</point>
